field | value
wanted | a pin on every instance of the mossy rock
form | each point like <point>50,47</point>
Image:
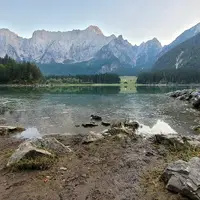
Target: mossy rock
<point>197,130</point>
<point>37,163</point>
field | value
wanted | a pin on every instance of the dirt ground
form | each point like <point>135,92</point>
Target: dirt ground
<point>109,169</point>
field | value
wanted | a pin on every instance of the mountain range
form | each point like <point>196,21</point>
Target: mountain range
<point>86,51</point>
<point>184,55</point>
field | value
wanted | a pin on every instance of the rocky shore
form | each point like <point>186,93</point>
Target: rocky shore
<point>117,163</point>
<point>189,95</point>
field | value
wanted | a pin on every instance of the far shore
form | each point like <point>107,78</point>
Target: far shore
<point>95,85</point>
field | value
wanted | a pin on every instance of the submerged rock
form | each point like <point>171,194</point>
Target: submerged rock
<point>7,130</point>
<point>96,117</point>
<point>89,125</point>
<point>183,178</point>
<point>105,123</point>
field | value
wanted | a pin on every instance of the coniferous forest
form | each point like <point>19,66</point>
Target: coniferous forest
<point>179,65</point>
<point>12,72</point>
<point>78,79</point>
<point>185,75</point>
<point>18,73</point>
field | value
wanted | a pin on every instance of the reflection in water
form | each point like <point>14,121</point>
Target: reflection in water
<point>160,127</point>
<point>29,133</point>
<point>59,110</point>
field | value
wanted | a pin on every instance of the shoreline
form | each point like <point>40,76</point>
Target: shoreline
<point>100,168</point>
<point>95,85</point>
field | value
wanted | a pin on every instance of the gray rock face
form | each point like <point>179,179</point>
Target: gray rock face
<point>51,144</point>
<point>36,148</point>
<point>184,178</point>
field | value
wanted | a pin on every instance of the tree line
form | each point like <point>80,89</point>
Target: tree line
<point>12,72</point>
<point>18,73</point>
<point>78,79</point>
<point>184,75</point>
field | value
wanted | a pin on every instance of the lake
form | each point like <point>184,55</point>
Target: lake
<point>58,110</point>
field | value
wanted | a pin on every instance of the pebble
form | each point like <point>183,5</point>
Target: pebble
<point>63,168</point>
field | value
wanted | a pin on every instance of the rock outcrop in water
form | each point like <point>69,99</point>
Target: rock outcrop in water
<point>191,96</point>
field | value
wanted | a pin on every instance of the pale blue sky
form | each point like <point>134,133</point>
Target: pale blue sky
<point>136,20</point>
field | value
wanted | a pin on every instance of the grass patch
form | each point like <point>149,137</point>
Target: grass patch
<point>37,163</point>
<point>151,180</point>
<point>185,154</point>
<point>9,153</point>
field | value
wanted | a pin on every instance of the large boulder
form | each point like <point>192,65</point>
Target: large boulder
<point>32,152</point>
<point>184,178</point>
<point>51,144</point>
<point>91,137</point>
<point>96,117</point>
<point>7,130</point>
<point>170,140</point>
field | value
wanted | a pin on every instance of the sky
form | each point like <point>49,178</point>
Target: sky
<point>136,20</point>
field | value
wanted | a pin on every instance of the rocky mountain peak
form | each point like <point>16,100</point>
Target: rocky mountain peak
<point>120,37</point>
<point>39,34</point>
<point>95,29</point>
<point>6,32</point>
<point>154,42</point>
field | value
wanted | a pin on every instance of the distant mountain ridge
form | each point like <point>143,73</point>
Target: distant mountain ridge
<point>78,46</point>
<point>86,51</point>
<point>181,38</point>
<point>179,65</point>
<point>184,55</point>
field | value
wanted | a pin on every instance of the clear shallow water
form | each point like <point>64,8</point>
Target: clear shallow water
<point>58,110</point>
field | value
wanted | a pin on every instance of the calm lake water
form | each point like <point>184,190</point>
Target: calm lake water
<point>59,110</point>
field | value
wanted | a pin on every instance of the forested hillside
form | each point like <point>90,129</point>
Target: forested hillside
<point>167,76</point>
<point>79,79</point>
<point>13,72</point>
<point>179,65</point>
